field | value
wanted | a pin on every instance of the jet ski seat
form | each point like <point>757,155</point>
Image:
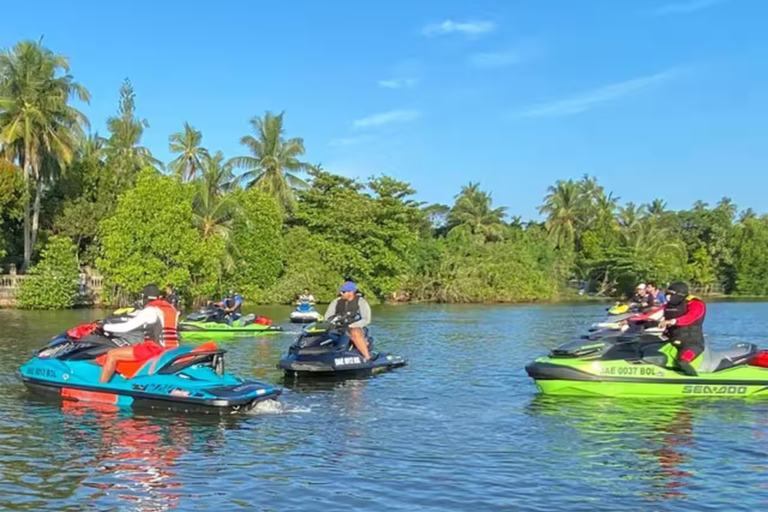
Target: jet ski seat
<point>716,360</point>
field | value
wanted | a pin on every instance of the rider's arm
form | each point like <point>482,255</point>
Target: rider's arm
<point>696,310</point>
<point>331,309</point>
<point>365,315</point>
<point>143,317</point>
<point>648,315</point>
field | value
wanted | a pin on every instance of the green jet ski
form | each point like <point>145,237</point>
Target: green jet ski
<point>644,365</point>
<point>210,323</point>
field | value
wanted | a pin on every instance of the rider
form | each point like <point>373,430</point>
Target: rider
<point>683,318</point>
<point>231,305</point>
<point>658,296</point>
<point>171,296</point>
<point>306,297</point>
<point>641,297</point>
<point>156,323</point>
<point>352,306</point>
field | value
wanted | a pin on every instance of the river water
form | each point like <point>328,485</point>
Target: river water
<point>461,428</point>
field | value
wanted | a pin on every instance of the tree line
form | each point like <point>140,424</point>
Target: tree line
<point>270,224</point>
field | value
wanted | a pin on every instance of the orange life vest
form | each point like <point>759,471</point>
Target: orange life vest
<point>169,334</point>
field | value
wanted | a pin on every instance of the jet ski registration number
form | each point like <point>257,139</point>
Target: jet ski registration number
<point>640,371</point>
<point>342,361</point>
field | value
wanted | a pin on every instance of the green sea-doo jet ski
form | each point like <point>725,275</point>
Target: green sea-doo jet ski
<point>211,323</point>
<point>644,365</point>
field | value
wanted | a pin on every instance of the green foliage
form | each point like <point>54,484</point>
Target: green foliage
<point>364,237</point>
<point>53,282</point>
<point>752,257</point>
<point>151,239</point>
<point>257,235</point>
<point>11,205</point>
<point>105,199</point>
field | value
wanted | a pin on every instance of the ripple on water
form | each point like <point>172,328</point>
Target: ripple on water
<point>461,427</point>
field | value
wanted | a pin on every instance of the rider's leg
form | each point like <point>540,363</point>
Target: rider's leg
<point>113,357</point>
<point>358,339</point>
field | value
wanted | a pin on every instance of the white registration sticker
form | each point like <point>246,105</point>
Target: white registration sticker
<point>341,361</point>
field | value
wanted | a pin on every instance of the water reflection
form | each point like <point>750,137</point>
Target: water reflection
<point>648,441</point>
<point>134,457</point>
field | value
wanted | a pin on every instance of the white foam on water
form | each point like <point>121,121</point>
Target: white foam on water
<point>275,407</point>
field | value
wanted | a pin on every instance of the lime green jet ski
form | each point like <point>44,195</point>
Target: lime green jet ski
<point>644,365</point>
<point>210,323</point>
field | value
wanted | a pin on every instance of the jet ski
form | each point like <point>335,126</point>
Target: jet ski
<point>305,313</point>
<point>210,322</point>
<point>191,379</point>
<point>325,349</point>
<point>644,365</point>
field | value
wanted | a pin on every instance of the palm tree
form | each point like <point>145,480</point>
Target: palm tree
<point>92,148</point>
<point>187,164</point>
<point>216,174</point>
<point>726,206</point>
<point>213,210</point>
<point>657,208</point>
<point>37,125</point>
<point>473,208</point>
<point>561,205</point>
<point>747,215</point>
<point>122,147</point>
<point>273,160</point>
<point>629,215</point>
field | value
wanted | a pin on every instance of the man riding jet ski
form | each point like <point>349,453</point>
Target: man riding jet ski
<point>90,363</point>
<point>325,348</point>
<point>676,365</point>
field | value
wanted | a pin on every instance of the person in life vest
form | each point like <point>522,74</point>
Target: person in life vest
<point>232,306</point>
<point>352,308</point>
<point>306,297</point>
<point>684,320</point>
<point>156,324</point>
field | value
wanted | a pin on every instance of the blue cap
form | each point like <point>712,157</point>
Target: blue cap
<point>349,286</point>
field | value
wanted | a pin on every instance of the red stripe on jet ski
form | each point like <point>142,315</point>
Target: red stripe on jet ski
<point>89,396</point>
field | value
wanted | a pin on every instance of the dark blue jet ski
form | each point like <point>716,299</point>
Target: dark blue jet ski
<point>325,349</point>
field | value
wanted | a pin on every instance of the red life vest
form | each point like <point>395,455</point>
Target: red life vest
<point>169,334</point>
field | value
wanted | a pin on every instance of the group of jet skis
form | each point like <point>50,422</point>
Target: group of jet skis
<point>133,357</point>
<point>646,349</point>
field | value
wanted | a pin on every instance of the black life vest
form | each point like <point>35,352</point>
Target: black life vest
<point>687,334</point>
<point>348,310</point>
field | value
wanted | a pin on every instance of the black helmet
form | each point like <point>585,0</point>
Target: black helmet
<point>678,288</point>
<point>150,293</point>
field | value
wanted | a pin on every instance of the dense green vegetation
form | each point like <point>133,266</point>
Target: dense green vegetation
<point>69,199</point>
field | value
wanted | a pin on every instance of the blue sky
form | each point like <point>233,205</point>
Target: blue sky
<point>657,98</point>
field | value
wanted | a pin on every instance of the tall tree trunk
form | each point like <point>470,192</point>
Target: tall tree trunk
<point>27,233</point>
<point>36,209</point>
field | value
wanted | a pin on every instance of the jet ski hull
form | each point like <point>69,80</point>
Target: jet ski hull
<point>619,378</point>
<point>338,363</point>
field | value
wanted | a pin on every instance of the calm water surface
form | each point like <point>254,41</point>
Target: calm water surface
<point>461,428</point>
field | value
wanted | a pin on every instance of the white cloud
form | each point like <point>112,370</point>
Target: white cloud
<point>467,28</point>
<point>349,141</point>
<point>591,99</point>
<point>686,7</point>
<point>517,54</point>
<point>394,116</point>
<point>398,83</point>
